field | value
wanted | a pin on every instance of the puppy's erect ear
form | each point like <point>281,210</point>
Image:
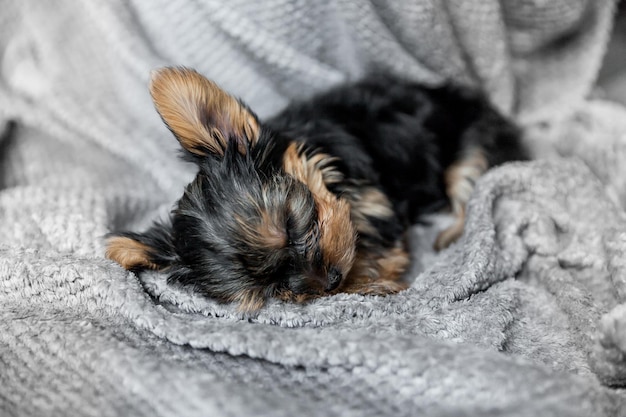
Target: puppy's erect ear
<point>201,115</point>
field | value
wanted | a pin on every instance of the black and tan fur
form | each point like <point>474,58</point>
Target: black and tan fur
<point>316,200</point>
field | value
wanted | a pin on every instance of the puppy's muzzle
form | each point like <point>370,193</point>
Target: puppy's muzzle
<point>334,279</point>
<point>324,282</point>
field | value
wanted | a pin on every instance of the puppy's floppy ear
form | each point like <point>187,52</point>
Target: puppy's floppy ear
<point>201,115</point>
<point>138,251</point>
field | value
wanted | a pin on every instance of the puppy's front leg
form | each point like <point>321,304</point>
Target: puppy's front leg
<point>377,272</point>
<point>460,179</point>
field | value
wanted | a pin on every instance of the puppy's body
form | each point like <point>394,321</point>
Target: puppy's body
<point>401,139</point>
<point>316,200</point>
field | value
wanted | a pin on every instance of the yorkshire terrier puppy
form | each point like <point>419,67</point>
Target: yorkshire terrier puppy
<point>316,200</point>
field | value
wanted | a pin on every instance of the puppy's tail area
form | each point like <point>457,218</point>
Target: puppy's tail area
<point>152,249</point>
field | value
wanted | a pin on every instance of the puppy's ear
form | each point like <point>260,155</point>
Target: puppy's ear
<point>202,116</point>
<point>138,251</point>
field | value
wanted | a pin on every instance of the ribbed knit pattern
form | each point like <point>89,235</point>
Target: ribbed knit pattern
<point>525,316</point>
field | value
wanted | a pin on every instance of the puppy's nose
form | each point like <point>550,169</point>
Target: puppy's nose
<point>334,279</point>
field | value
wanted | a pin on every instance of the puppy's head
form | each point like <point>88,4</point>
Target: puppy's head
<point>258,220</point>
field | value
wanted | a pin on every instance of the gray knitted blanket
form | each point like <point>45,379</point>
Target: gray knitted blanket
<point>524,316</point>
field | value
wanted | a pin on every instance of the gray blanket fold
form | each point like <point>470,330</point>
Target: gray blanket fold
<point>524,316</point>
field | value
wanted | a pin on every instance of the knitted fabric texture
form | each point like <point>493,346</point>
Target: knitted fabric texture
<point>524,316</point>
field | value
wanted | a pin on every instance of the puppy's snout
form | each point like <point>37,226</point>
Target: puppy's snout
<point>318,283</point>
<point>334,279</point>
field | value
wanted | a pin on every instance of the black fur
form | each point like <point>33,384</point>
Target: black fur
<point>396,136</point>
<point>401,136</point>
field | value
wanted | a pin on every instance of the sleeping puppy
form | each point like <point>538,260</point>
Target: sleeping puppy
<point>316,200</point>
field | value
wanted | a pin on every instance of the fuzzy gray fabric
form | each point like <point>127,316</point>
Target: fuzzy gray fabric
<point>524,316</point>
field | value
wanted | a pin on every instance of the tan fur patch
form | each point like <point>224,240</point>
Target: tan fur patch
<point>337,233</point>
<point>268,233</point>
<point>200,114</point>
<point>315,171</point>
<point>367,202</point>
<point>286,295</point>
<point>272,234</point>
<point>129,253</point>
<point>393,263</point>
<point>249,300</point>
<point>371,266</point>
<point>377,274</point>
<point>379,287</point>
<point>460,178</point>
<point>373,202</point>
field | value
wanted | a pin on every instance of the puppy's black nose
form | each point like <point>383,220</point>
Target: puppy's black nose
<point>334,279</point>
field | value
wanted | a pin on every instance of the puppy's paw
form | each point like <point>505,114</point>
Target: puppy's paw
<point>377,287</point>
<point>449,235</point>
<point>460,179</point>
<point>384,288</point>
